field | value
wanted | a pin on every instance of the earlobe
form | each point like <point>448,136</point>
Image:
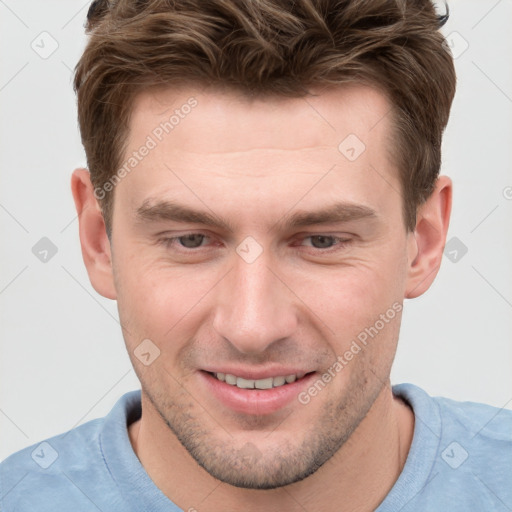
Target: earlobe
<point>95,244</point>
<point>427,243</point>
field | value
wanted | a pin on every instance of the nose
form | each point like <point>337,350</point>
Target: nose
<point>254,306</point>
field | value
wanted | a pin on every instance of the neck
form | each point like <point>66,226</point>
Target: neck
<point>358,477</point>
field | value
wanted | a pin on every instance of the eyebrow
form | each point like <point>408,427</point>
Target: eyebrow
<point>159,210</point>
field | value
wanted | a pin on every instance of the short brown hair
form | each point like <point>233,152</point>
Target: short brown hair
<point>268,47</point>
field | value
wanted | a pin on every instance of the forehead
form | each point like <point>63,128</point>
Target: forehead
<point>321,118</point>
<point>210,145</point>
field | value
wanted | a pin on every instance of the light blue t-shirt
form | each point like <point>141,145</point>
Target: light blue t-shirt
<point>460,460</point>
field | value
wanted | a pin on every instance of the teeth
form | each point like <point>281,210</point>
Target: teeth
<point>264,383</point>
<point>268,383</point>
<point>230,379</point>
<point>244,383</point>
<point>279,381</point>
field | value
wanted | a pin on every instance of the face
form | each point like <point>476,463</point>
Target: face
<point>262,243</point>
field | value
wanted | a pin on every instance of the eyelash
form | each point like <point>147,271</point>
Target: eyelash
<point>341,243</point>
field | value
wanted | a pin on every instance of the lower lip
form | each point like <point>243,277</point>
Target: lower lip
<point>255,401</point>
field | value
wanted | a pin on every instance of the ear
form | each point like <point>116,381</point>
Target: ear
<point>95,244</point>
<point>426,243</point>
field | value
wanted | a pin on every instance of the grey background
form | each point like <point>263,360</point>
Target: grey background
<point>63,360</point>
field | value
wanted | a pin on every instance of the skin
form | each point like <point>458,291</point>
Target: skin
<point>254,163</point>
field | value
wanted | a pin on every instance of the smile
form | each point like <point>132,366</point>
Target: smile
<point>268,383</point>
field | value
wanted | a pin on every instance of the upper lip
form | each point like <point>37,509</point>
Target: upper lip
<point>257,374</point>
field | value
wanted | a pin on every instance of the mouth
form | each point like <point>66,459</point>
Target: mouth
<point>267,383</point>
<point>255,396</point>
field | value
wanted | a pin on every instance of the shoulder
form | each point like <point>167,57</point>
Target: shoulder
<point>469,450</point>
<point>476,439</point>
<point>60,469</point>
<point>48,467</point>
<point>465,418</point>
<point>478,419</point>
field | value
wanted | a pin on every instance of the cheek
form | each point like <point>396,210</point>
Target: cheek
<point>155,300</point>
<point>352,296</point>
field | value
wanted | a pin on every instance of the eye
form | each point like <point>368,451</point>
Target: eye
<point>326,241</point>
<point>191,241</point>
<point>188,241</point>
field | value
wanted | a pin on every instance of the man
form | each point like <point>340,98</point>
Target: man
<point>263,193</point>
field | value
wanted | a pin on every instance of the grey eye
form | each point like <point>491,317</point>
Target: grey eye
<point>191,241</point>
<point>324,242</point>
